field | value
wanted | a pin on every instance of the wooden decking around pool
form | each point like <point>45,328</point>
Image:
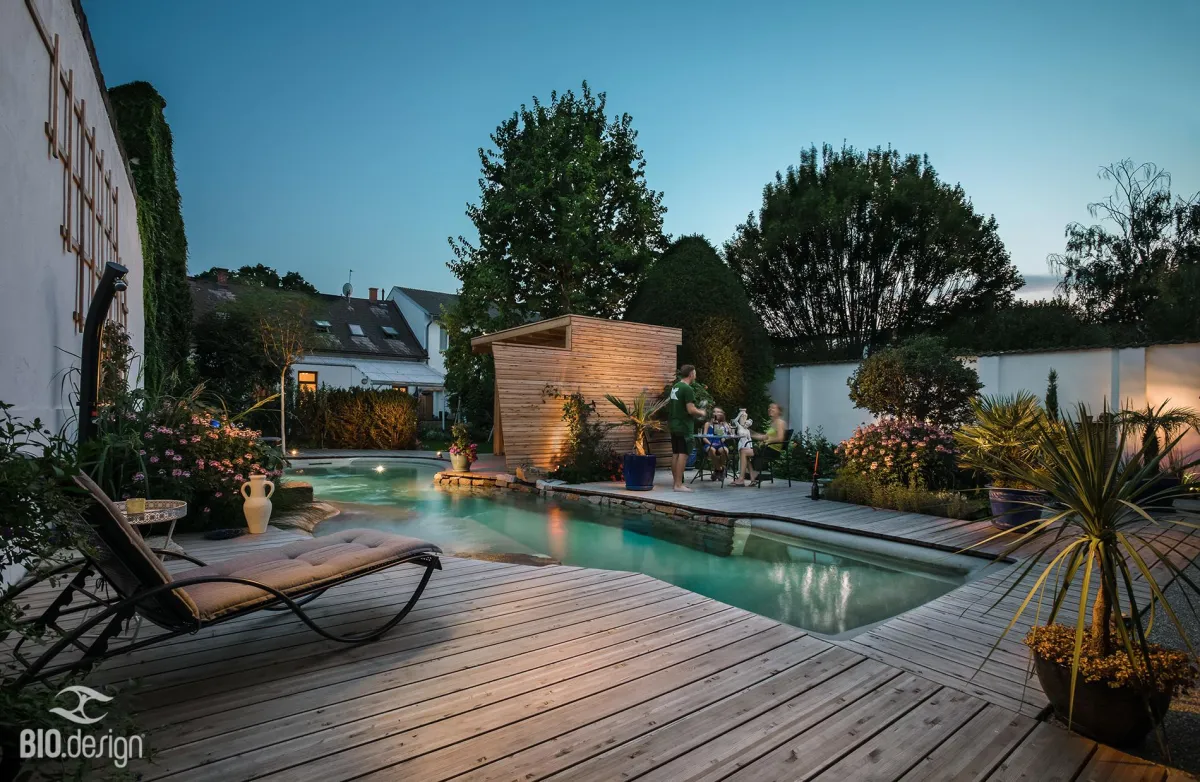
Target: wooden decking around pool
<point>511,672</point>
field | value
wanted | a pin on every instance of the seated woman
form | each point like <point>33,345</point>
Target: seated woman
<point>772,438</point>
<point>718,451</point>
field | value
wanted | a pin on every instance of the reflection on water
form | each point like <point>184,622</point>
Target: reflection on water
<point>804,586</point>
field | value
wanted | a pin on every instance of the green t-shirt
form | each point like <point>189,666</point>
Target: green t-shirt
<point>679,420</point>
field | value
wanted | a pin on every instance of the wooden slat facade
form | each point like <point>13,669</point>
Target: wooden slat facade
<point>569,354</point>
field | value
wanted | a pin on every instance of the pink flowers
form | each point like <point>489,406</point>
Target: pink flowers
<point>154,460</point>
<point>894,451</point>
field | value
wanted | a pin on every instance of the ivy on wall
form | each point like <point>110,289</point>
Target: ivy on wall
<point>168,308</point>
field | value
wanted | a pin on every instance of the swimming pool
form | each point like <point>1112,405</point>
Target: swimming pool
<point>824,586</point>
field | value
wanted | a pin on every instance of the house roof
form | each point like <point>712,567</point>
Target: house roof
<point>381,372</point>
<point>433,302</point>
<point>340,312</point>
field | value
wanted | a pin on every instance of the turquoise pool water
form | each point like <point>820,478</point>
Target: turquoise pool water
<point>823,588</point>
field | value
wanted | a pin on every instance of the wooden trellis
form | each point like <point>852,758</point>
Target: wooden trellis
<point>91,204</point>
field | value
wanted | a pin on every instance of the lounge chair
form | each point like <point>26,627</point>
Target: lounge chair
<point>764,460</point>
<point>280,578</point>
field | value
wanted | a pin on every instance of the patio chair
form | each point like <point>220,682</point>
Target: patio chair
<point>137,583</point>
<point>703,462</point>
<point>764,460</point>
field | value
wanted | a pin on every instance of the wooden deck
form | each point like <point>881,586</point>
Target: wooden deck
<point>951,640</point>
<point>510,672</point>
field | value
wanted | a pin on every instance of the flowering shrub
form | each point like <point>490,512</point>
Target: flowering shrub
<point>897,451</point>
<point>462,443</point>
<point>204,460</point>
<point>1173,670</point>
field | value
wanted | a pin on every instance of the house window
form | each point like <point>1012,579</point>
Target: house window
<point>390,333</point>
<point>356,330</point>
<point>443,338</point>
<point>323,326</point>
<point>399,388</point>
<point>307,381</point>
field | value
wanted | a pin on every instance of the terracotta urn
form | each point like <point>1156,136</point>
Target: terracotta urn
<point>257,508</point>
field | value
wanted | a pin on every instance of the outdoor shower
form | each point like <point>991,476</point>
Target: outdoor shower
<point>111,283</point>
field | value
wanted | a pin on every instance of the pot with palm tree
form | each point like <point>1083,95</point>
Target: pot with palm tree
<point>1004,430</point>
<point>639,466</point>
<point>1093,556</point>
<point>1152,423</point>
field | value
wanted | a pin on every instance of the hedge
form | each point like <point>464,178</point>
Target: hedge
<point>356,418</point>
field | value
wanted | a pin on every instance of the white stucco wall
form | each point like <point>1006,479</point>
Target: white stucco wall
<point>437,359</point>
<point>817,395</point>
<point>37,298</point>
<point>413,313</point>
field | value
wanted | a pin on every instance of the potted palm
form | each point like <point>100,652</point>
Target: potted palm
<point>1086,557</point>
<point>1152,422</point>
<point>639,466</point>
<point>1004,430</point>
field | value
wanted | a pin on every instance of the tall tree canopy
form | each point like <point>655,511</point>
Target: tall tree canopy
<point>691,288</point>
<point>566,224</point>
<point>1151,247</point>
<point>260,276</point>
<point>852,249</point>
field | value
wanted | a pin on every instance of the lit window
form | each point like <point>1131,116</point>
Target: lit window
<point>390,333</point>
<point>356,330</point>
<point>323,326</point>
<point>400,388</point>
<point>307,381</point>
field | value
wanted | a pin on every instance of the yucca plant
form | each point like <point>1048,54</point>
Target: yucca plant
<point>640,416</point>
<point>1098,528</point>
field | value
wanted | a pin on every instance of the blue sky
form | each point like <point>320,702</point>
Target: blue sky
<point>322,137</point>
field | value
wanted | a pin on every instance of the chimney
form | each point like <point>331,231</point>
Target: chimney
<point>373,294</point>
<point>222,277</point>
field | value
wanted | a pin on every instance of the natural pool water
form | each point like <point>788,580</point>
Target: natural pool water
<point>828,589</point>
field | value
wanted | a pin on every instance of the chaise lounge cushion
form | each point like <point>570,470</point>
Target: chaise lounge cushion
<point>298,567</point>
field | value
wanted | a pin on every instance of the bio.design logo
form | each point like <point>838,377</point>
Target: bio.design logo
<point>52,744</point>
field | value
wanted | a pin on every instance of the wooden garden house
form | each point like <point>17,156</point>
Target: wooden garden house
<point>563,355</point>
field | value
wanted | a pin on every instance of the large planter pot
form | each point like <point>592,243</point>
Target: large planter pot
<point>257,507</point>
<point>1116,716</point>
<point>639,471</point>
<point>1010,507</point>
<point>460,462</point>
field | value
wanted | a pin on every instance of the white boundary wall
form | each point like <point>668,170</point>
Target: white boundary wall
<point>816,395</point>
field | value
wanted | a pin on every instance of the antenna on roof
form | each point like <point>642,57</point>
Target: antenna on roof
<point>348,289</point>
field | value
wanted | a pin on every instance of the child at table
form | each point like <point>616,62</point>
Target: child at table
<point>718,451</point>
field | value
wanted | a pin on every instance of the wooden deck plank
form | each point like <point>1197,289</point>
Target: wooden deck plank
<point>312,730</point>
<point>893,752</point>
<point>975,749</point>
<point>1111,765</point>
<point>1048,754</point>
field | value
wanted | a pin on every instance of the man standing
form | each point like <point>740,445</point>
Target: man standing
<point>681,415</point>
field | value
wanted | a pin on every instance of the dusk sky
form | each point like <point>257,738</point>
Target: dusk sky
<point>322,137</point>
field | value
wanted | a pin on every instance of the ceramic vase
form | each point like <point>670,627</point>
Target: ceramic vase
<point>257,508</point>
<point>461,462</point>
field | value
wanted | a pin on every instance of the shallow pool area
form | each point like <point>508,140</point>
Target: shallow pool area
<point>821,583</point>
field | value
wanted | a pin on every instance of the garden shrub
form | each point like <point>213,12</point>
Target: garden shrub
<point>918,379</point>
<point>853,487</point>
<point>901,452</point>
<point>586,455</point>
<point>691,288</point>
<point>806,446</point>
<point>357,418</point>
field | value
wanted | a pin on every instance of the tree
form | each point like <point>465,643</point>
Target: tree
<point>691,288</point>
<point>260,276</point>
<point>1118,276</point>
<point>918,379</point>
<point>851,249</point>
<point>566,223</point>
<point>280,323</point>
<point>1026,325</point>
<point>239,374</point>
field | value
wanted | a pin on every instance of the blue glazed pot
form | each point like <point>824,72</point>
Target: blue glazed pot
<point>1010,507</point>
<point>639,471</point>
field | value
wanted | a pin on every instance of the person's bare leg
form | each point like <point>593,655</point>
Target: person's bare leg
<point>678,465</point>
<point>743,465</point>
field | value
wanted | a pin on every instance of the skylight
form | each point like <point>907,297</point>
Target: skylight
<point>390,332</point>
<point>356,330</point>
<point>323,326</point>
